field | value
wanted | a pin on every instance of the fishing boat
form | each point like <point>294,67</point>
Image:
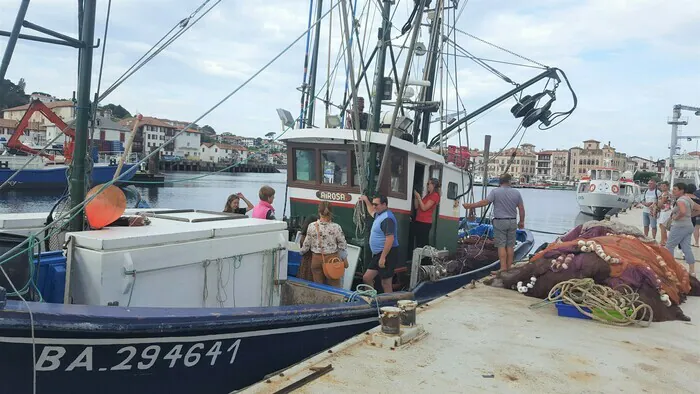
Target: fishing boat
<point>605,189</point>
<point>183,301</point>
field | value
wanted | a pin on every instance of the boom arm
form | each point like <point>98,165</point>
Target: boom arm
<point>446,133</point>
<point>34,106</point>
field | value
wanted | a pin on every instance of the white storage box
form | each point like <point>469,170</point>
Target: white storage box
<point>184,258</point>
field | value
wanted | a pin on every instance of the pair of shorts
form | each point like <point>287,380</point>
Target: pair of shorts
<point>392,260</point>
<point>648,220</point>
<point>504,231</point>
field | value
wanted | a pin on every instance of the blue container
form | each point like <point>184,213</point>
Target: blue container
<point>50,275</point>
<point>293,263</point>
<point>567,310</point>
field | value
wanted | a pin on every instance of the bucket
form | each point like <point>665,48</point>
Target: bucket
<point>408,312</point>
<point>390,320</point>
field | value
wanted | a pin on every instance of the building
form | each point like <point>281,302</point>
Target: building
<point>642,164</point>
<point>592,155</point>
<point>552,165</point>
<point>187,145</point>
<point>7,128</point>
<point>43,97</point>
<point>106,132</point>
<point>220,152</point>
<point>523,165</point>
<point>64,109</point>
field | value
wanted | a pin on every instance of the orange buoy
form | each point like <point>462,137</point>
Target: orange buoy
<point>106,207</point>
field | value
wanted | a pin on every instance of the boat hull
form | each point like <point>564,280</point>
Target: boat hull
<point>88,349</point>
<point>599,204</point>
<point>56,177</point>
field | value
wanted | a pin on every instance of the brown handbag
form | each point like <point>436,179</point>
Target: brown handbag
<point>333,266</point>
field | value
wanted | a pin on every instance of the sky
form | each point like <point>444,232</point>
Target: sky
<point>628,61</point>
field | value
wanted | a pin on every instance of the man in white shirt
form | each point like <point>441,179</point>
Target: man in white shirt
<point>648,214</point>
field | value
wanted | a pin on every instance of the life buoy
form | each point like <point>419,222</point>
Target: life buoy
<point>591,188</point>
<point>615,188</point>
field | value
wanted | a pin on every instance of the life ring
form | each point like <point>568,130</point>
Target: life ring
<point>591,188</point>
<point>615,188</point>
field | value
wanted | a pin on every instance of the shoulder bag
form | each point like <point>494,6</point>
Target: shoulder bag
<point>333,266</point>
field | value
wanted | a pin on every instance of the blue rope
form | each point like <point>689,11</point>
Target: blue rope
<point>364,290</point>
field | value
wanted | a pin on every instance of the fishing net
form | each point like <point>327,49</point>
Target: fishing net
<point>613,255</point>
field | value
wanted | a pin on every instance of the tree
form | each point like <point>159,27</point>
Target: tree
<point>270,135</point>
<point>208,130</point>
<point>227,134</point>
<point>118,111</point>
<point>12,95</point>
<point>643,176</point>
<point>207,139</point>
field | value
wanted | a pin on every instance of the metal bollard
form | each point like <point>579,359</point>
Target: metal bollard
<point>408,312</point>
<point>391,323</point>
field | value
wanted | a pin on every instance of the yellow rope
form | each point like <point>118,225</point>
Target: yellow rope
<point>620,306</point>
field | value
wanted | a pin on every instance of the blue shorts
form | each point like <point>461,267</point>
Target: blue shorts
<point>648,220</point>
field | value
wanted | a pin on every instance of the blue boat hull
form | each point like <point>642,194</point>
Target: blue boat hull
<point>56,178</point>
<point>89,349</point>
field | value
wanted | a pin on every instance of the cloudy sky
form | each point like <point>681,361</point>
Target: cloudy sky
<point>629,62</point>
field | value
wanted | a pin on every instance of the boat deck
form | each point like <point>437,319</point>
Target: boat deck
<point>487,340</point>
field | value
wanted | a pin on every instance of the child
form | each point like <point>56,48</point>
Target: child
<point>233,204</point>
<point>264,209</point>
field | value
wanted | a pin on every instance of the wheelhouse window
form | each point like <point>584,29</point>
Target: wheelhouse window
<point>395,177</point>
<point>305,165</point>
<point>335,167</point>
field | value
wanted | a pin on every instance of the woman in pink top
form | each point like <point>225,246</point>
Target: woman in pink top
<point>264,209</point>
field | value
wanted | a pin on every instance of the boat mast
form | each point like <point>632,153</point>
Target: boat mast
<point>82,113</point>
<point>311,94</point>
<point>382,45</point>
<point>13,39</point>
<point>421,125</point>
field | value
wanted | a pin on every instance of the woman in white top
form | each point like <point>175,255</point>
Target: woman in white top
<point>325,239</point>
<point>664,205</point>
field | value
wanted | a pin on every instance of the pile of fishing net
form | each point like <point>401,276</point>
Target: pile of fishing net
<point>612,255</point>
<point>474,252</point>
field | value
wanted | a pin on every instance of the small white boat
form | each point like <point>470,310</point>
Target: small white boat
<point>604,189</point>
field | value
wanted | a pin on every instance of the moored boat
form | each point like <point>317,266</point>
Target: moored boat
<point>604,189</point>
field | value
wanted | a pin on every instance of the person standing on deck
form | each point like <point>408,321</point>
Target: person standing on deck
<point>506,201</point>
<point>383,242</point>
<point>649,215</point>
<point>425,212</point>
<point>264,209</point>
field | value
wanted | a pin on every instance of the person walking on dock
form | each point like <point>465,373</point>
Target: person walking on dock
<point>383,242</point>
<point>264,209</point>
<point>506,200</point>
<point>649,211</point>
<point>682,226</point>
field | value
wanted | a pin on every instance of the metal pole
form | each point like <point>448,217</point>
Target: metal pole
<point>382,45</point>
<point>430,70</point>
<point>13,39</point>
<point>402,87</point>
<point>314,66</point>
<point>485,182</point>
<point>82,114</point>
<point>674,140</point>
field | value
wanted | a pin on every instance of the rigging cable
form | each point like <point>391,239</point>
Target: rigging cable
<point>73,212</point>
<point>184,25</point>
<point>303,103</point>
<point>501,48</point>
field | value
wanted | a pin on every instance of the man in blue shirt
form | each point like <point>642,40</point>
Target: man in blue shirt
<point>383,242</point>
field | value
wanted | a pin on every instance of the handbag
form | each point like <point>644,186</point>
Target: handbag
<point>333,266</point>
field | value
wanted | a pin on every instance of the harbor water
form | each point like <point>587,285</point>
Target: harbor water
<point>546,211</point>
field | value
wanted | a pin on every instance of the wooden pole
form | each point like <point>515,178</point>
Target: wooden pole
<point>127,148</point>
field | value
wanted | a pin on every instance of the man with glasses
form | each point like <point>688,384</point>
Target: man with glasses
<point>383,242</point>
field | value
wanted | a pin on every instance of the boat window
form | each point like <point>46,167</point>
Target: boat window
<point>582,187</point>
<point>398,173</point>
<point>305,165</point>
<point>452,190</point>
<point>616,175</point>
<point>594,175</point>
<point>335,167</point>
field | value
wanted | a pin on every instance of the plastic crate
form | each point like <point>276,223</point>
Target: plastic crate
<point>293,262</point>
<point>567,310</point>
<point>50,271</point>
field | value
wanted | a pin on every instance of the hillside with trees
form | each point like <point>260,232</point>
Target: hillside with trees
<point>12,95</point>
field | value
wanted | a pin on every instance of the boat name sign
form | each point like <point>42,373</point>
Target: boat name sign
<point>52,358</point>
<point>333,196</point>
